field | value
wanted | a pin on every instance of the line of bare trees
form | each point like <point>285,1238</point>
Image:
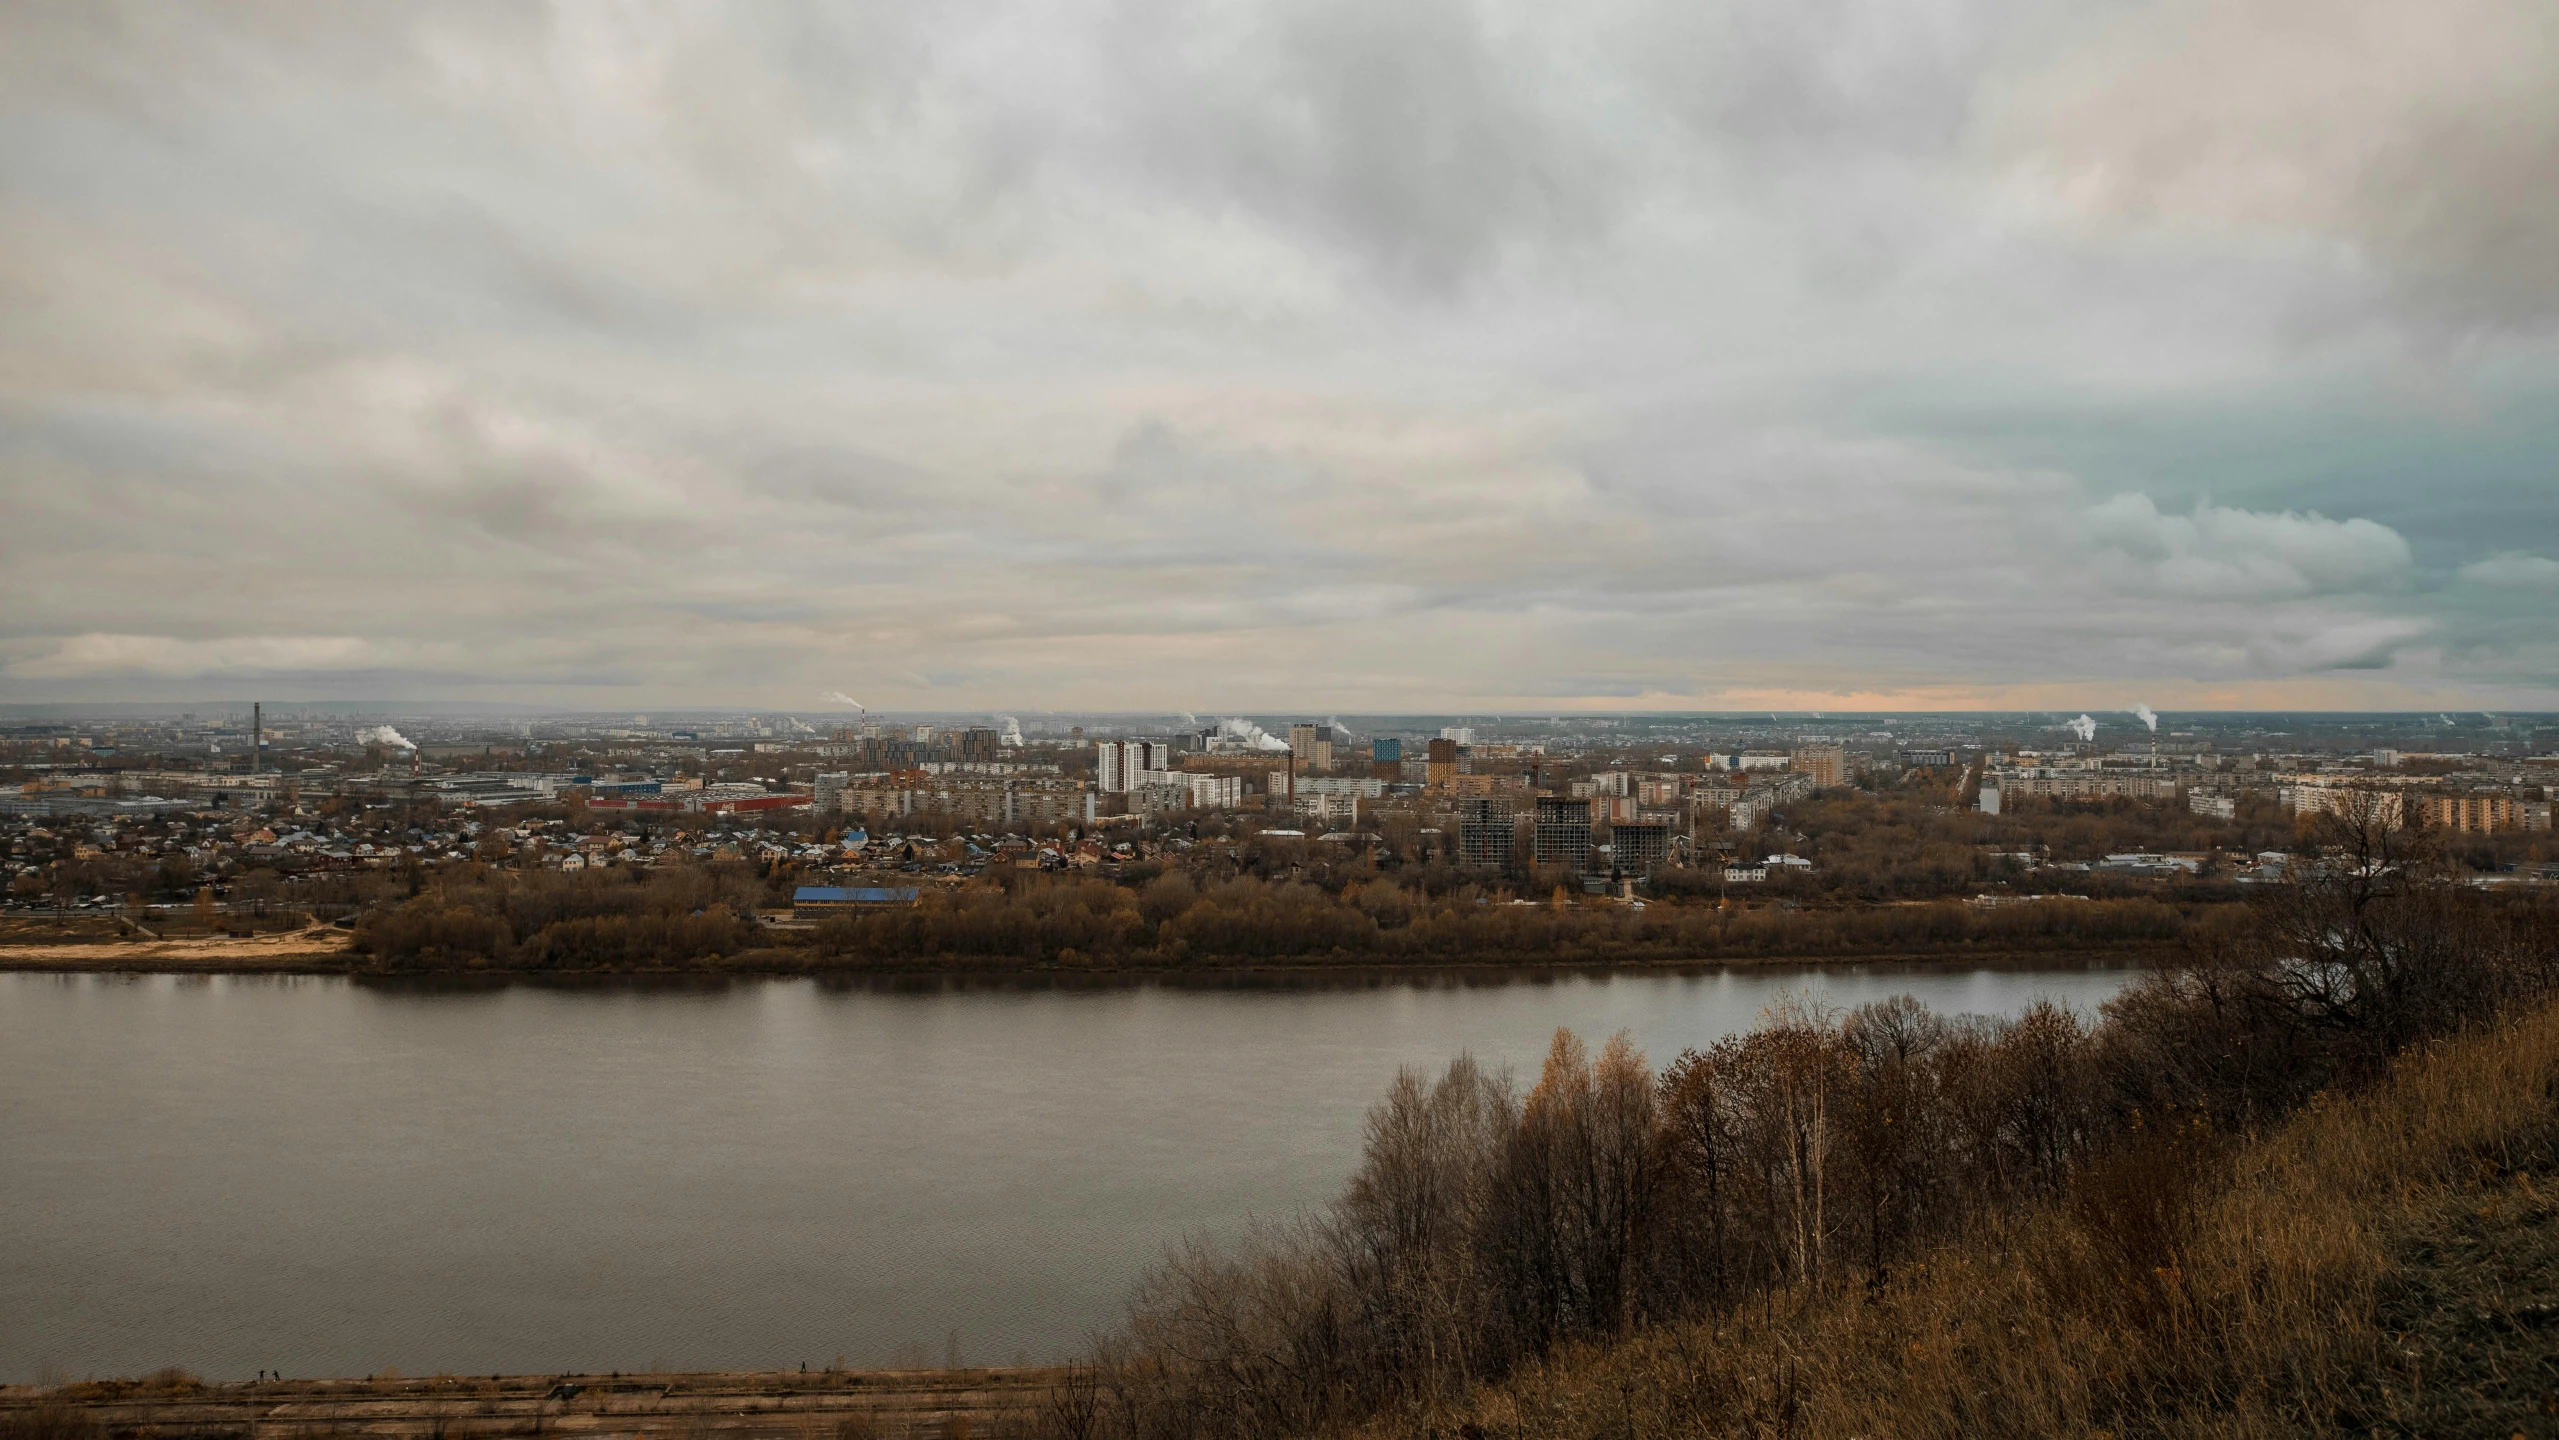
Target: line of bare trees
<point>476,917</point>
<point>548,922</point>
<point>1175,921</point>
<point>1821,1150</point>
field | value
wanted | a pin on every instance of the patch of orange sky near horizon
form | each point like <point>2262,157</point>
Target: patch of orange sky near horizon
<point>2101,697</point>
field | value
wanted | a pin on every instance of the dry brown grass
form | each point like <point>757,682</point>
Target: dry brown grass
<point>48,1422</point>
<point>2289,1287</point>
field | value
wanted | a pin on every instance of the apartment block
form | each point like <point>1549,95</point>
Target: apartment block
<point>1562,836</point>
<point>1827,764</point>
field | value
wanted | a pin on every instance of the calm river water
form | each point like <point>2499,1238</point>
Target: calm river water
<point>330,1177</point>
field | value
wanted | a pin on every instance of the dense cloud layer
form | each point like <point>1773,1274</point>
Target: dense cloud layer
<point>1137,354</point>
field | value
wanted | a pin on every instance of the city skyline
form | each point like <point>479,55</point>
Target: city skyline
<point>1445,358</point>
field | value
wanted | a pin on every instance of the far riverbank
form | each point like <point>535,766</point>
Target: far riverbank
<point>324,951</point>
<point>735,1405</point>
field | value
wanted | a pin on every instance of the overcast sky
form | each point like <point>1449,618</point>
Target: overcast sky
<point>1365,354</point>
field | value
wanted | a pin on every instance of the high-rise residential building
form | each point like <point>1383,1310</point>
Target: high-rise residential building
<point>1458,734</point>
<point>1827,764</point>
<point>827,794</point>
<point>1118,764</point>
<point>1563,832</point>
<point>1313,747</point>
<point>1614,808</point>
<point>1484,834</point>
<point>1639,847</point>
<point>1443,763</point>
<point>980,743</point>
<point>1386,759</point>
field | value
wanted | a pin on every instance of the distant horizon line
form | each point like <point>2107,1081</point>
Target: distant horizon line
<point>1204,716</point>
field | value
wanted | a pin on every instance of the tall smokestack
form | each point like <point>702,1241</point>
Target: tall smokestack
<point>257,735</point>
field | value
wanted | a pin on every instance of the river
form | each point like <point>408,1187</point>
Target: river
<point>324,1176</point>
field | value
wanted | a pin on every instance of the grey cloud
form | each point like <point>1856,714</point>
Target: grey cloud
<point>1415,135</point>
<point>1793,78</point>
<point>2513,570</point>
<point>2221,553</point>
<point>1108,354</point>
<point>2424,136</point>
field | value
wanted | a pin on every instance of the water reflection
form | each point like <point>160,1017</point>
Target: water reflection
<point>474,1174</point>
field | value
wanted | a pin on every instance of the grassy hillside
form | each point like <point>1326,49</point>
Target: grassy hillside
<point>2384,1263</point>
<point>2206,1210</point>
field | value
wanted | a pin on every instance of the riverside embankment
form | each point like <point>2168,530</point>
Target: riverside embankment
<point>733,1405</point>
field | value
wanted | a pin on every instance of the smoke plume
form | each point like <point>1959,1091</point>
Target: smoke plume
<point>1251,734</point>
<point>2146,716</point>
<point>2085,727</point>
<point>1012,731</point>
<point>840,698</point>
<point>385,735</point>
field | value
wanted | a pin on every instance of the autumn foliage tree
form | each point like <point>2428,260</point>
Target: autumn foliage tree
<point>1815,1153</point>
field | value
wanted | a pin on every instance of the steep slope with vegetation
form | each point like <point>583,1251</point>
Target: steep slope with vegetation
<point>2387,1263</point>
<point>2205,1213</point>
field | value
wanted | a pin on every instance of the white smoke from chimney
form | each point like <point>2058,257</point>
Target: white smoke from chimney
<point>384,735</point>
<point>2145,715</point>
<point>1251,734</point>
<point>1012,731</point>
<point>1341,731</point>
<point>840,698</point>
<point>2085,727</point>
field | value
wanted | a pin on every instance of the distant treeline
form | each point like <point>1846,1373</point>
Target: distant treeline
<point>514,920</point>
<point>1814,1157</point>
<point>1171,921</point>
<point>509,920</point>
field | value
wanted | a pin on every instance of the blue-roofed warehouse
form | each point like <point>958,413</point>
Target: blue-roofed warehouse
<point>851,897</point>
